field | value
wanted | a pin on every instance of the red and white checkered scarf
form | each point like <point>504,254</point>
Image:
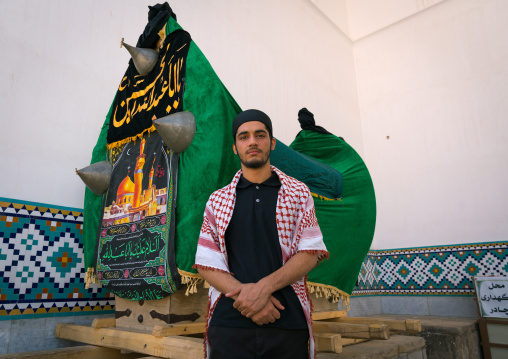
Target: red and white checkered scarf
<point>296,225</point>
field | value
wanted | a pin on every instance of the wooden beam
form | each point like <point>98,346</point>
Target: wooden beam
<point>137,341</point>
<point>80,352</point>
<point>179,329</point>
<point>103,323</point>
<point>379,331</point>
<point>409,325</point>
<point>350,341</point>
<point>413,325</point>
<point>347,330</point>
<point>329,314</point>
<point>328,342</point>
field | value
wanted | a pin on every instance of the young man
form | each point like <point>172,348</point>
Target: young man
<point>258,241</point>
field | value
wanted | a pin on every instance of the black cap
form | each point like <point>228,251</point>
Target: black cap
<point>252,115</point>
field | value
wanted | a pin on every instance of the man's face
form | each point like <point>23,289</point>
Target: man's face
<point>253,144</point>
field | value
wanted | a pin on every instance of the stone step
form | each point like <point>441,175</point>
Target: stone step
<point>446,337</point>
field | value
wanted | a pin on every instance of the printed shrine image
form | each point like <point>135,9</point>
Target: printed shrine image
<point>133,202</point>
<point>332,191</point>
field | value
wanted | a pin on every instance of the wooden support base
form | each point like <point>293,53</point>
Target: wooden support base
<point>356,331</point>
<point>134,340</point>
<point>177,308</point>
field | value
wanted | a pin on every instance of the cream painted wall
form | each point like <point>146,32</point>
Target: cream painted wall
<point>437,85</point>
<point>61,64</point>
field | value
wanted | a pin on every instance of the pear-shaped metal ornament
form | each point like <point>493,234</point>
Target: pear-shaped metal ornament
<point>96,176</point>
<point>177,130</point>
<point>144,59</point>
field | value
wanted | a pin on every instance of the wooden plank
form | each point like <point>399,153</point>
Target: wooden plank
<point>351,341</point>
<point>413,325</point>
<point>179,329</point>
<point>329,314</point>
<point>79,352</point>
<point>347,330</point>
<point>379,331</point>
<point>103,323</point>
<point>175,347</point>
<point>409,325</point>
<point>328,342</point>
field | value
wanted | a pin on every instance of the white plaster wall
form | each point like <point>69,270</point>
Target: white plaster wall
<point>369,16</point>
<point>360,18</point>
<point>437,85</point>
<point>61,64</point>
<point>336,11</point>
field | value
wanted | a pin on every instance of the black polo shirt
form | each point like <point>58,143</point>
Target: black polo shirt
<point>252,244</point>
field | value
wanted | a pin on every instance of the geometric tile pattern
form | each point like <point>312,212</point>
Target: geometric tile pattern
<point>41,263</point>
<point>443,270</point>
<point>42,272</point>
<point>368,278</point>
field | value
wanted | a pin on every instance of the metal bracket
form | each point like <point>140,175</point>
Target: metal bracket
<point>174,318</point>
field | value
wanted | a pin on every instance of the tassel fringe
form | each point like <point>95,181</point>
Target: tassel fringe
<point>129,139</point>
<point>90,277</point>
<point>318,196</point>
<point>192,280</point>
<point>328,292</point>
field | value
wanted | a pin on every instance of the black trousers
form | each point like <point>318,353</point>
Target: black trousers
<point>258,343</point>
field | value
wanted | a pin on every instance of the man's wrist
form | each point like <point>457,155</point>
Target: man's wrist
<point>266,287</point>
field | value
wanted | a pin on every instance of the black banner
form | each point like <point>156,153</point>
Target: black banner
<point>141,99</point>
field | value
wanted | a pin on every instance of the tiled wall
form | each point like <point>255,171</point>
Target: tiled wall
<point>41,263</point>
<point>41,266</point>
<point>443,270</point>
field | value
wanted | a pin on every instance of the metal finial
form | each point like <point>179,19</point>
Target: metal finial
<point>177,130</point>
<point>96,176</point>
<point>144,59</point>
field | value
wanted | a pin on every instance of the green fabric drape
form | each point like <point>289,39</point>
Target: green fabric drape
<point>209,162</point>
<point>93,202</point>
<point>348,224</point>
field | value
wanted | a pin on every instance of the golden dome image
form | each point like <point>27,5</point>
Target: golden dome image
<point>125,188</point>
